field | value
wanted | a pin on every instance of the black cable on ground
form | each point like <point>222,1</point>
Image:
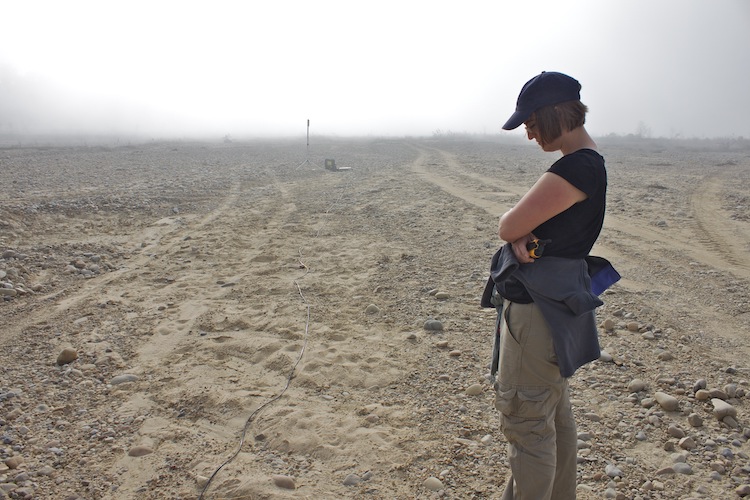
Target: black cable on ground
<point>294,367</point>
<point>275,398</point>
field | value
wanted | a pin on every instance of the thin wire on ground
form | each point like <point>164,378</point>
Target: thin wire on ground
<point>273,399</point>
<point>252,416</point>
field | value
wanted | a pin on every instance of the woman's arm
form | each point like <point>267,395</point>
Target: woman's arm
<point>550,196</point>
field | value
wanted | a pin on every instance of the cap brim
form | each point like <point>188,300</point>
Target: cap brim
<point>516,119</point>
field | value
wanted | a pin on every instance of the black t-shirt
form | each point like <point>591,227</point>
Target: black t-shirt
<point>574,231</point>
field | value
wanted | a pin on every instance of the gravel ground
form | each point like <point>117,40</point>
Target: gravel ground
<point>154,296</point>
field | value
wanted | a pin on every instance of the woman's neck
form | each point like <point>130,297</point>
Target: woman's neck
<point>573,140</point>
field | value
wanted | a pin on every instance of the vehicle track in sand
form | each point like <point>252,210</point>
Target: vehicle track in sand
<point>243,335</point>
<point>707,235</point>
<point>724,244</point>
<point>161,237</point>
<point>444,170</point>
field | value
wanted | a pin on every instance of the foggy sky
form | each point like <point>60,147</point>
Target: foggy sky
<point>671,68</point>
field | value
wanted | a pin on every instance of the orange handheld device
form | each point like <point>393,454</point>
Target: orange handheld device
<point>536,247</point>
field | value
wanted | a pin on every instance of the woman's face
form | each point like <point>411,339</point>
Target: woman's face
<point>533,134</point>
<point>531,131</point>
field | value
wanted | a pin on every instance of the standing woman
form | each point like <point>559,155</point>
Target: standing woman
<point>542,341</point>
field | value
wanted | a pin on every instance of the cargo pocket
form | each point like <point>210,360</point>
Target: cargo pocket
<point>524,412</point>
<point>518,319</point>
<point>506,318</point>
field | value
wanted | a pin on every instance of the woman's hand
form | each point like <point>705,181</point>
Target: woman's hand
<point>520,250</point>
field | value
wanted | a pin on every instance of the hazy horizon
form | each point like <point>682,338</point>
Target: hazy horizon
<point>190,70</point>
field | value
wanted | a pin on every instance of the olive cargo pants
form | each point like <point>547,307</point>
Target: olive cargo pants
<point>536,416</point>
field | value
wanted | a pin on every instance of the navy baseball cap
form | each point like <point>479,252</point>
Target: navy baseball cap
<point>545,89</point>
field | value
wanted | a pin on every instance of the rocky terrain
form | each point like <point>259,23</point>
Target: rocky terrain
<point>231,320</point>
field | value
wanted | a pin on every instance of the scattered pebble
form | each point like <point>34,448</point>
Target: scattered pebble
<point>283,481</point>
<point>352,480</point>
<point>723,409</point>
<point>613,471</point>
<point>433,325</point>
<point>702,395</point>
<point>636,385</point>
<point>682,468</point>
<point>475,390</point>
<point>66,356</point>
<point>695,420</point>
<point>124,378</point>
<point>433,484</point>
<point>718,393</point>
<point>675,431</point>
<point>605,357</point>
<point>140,451</point>
<point>13,462</point>
<point>687,443</point>
<point>665,356</point>
<point>669,403</point>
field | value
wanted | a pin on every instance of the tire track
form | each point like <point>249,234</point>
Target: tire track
<point>709,229</point>
<point>442,169</point>
<point>165,234</point>
<point>722,238</point>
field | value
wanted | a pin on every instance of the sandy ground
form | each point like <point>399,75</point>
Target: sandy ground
<point>186,282</point>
